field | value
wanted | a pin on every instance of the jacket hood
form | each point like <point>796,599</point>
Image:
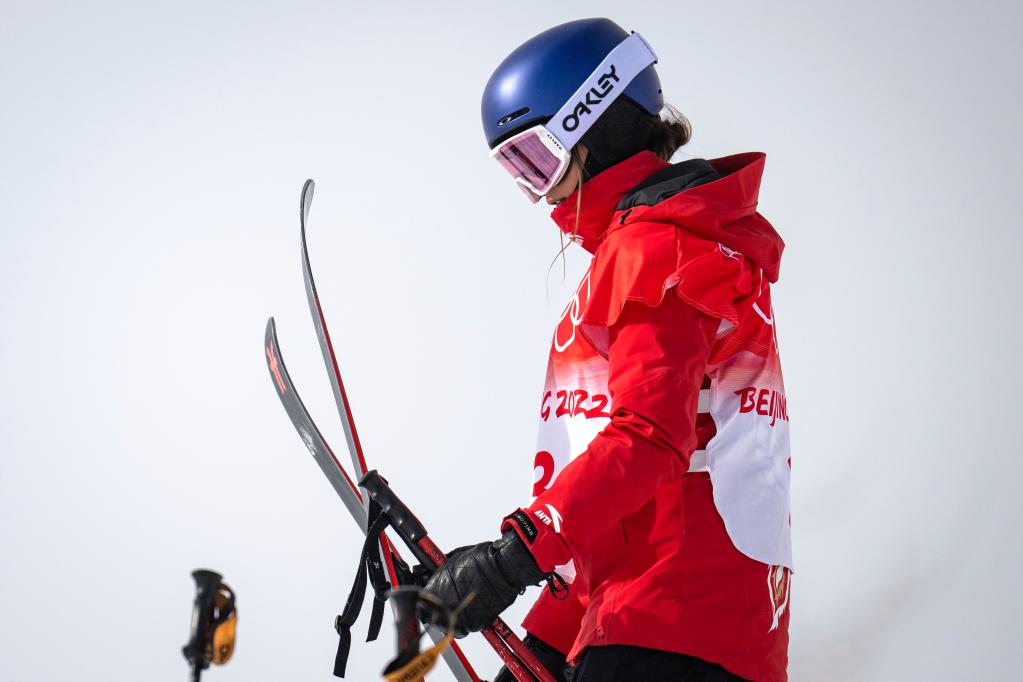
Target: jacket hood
<point>716,199</point>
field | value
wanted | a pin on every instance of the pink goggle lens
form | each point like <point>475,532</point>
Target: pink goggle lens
<point>528,158</point>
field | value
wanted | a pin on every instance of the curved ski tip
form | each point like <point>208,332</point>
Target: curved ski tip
<point>307,198</point>
<point>271,328</point>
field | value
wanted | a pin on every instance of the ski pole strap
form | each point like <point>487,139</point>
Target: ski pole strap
<point>381,587</point>
<point>370,570</point>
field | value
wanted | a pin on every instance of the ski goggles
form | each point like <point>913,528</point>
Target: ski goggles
<point>539,157</point>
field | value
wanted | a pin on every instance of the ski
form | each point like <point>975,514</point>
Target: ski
<point>323,336</point>
<point>307,429</point>
<point>339,479</point>
<point>459,666</point>
<point>333,373</point>
<point>507,644</point>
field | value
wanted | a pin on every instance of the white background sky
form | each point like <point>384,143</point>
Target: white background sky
<point>151,157</point>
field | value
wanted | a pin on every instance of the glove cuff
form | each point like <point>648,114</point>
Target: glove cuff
<point>541,541</point>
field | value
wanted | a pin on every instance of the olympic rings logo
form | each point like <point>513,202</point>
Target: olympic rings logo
<point>573,314</point>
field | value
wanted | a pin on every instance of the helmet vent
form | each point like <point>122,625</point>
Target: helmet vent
<point>512,116</point>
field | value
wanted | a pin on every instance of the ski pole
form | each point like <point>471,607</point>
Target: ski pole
<point>520,660</point>
<point>214,618</point>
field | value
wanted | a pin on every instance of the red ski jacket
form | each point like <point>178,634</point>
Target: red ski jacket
<point>661,477</point>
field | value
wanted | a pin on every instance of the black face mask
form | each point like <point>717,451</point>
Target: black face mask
<point>624,130</point>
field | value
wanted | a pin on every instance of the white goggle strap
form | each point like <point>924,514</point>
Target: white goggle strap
<point>602,87</point>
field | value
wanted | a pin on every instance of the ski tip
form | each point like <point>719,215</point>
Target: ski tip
<point>307,199</point>
<point>271,328</point>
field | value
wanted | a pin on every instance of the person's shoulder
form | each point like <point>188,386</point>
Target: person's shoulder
<point>645,260</point>
<point>633,263</point>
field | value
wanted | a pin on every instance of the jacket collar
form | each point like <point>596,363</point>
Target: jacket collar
<point>600,196</point>
<point>722,210</point>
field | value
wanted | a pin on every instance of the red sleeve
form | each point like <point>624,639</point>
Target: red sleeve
<point>657,357</point>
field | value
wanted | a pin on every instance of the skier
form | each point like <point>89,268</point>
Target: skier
<point>661,477</point>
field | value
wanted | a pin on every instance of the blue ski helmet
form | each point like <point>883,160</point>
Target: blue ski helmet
<point>539,76</point>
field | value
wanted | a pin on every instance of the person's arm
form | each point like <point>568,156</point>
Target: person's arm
<point>657,357</point>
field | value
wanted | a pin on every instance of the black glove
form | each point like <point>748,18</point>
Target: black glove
<point>549,657</point>
<point>496,572</point>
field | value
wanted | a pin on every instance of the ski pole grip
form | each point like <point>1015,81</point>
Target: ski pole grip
<point>206,582</point>
<point>405,600</point>
<point>402,519</point>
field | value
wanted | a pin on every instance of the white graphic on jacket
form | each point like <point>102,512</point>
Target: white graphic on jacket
<point>742,422</point>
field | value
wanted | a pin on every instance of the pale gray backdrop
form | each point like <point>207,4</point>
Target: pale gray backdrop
<point>150,165</point>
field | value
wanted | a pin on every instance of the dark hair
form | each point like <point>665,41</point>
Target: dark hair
<point>626,129</point>
<point>672,131</point>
